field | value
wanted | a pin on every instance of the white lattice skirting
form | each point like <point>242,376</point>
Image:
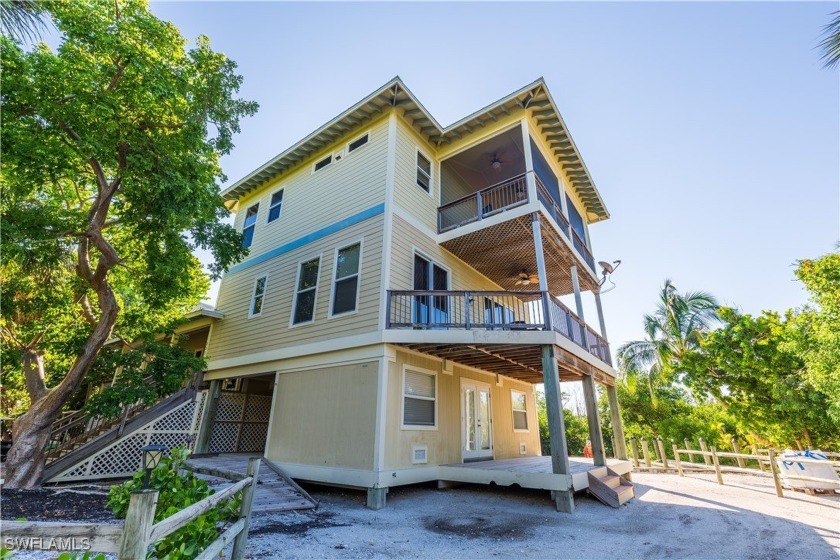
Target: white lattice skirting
<point>241,423</point>
<point>176,428</point>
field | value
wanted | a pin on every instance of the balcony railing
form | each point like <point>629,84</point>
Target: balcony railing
<point>506,195</point>
<point>474,207</point>
<point>492,311</point>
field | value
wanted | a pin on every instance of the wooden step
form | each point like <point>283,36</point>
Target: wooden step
<point>611,481</point>
<point>610,488</point>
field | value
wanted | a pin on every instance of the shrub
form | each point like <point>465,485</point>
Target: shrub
<point>176,492</point>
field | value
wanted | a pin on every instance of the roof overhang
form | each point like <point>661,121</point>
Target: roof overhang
<point>534,98</point>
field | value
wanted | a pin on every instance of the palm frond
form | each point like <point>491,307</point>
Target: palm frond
<point>23,19</point>
<point>830,45</point>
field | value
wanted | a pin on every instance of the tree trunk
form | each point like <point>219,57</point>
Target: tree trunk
<point>31,433</point>
<point>807,435</point>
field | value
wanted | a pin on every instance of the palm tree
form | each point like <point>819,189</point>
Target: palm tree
<point>23,19</point>
<point>670,332</point>
<point>830,45</point>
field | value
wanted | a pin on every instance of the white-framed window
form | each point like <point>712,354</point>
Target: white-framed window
<point>250,225</point>
<point>319,165</point>
<point>424,172</point>
<point>275,206</point>
<point>306,291</point>
<point>519,403</point>
<point>345,292</point>
<point>354,145</point>
<point>258,296</point>
<point>419,410</point>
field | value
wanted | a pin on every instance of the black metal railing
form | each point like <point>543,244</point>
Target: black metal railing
<point>486,310</point>
<point>474,207</point>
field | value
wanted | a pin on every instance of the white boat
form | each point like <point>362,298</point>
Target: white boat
<point>793,464</point>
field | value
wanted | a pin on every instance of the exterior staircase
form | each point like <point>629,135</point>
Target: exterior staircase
<point>610,488</point>
<point>77,435</point>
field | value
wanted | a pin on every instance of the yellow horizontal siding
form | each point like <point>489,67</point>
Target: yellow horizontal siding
<point>407,193</point>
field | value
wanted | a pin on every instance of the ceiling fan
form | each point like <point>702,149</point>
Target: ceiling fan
<point>497,160</point>
<point>525,279</point>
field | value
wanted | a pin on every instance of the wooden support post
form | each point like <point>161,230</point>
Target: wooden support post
<point>677,458</point>
<point>634,446</point>
<point>600,310</point>
<point>717,465</point>
<point>662,454</point>
<point>376,498</point>
<point>208,418</point>
<point>774,468</point>
<point>617,425</point>
<point>755,452</point>
<point>590,399</point>
<point>736,447</point>
<point>646,451</point>
<point>137,532</point>
<point>705,449</point>
<point>563,499</point>
<point>687,443</point>
<point>241,540</point>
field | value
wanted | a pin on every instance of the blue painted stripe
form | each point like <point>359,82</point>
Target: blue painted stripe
<point>309,238</point>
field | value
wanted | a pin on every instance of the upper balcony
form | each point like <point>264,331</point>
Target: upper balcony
<point>492,194</point>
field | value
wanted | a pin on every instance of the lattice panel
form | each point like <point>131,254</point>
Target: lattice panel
<point>252,437</point>
<point>258,409</point>
<point>178,427</point>
<point>230,407</point>
<point>223,437</point>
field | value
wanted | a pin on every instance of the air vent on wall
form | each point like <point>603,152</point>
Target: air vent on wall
<point>419,454</point>
<point>522,449</point>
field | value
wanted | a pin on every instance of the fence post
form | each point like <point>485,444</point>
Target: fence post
<point>755,452</point>
<point>241,539</point>
<point>646,451</point>
<point>661,447</point>
<point>139,519</point>
<point>717,465</point>
<point>774,468</point>
<point>705,450</point>
<point>736,447</point>
<point>687,443</point>
<point>634,446</point>
<point>677,458</point>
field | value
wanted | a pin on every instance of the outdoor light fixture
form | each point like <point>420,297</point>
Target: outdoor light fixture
<point>152,454</point>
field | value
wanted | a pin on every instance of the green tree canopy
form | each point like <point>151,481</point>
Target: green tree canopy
<point>111,148</point>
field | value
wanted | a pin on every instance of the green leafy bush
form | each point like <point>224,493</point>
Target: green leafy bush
<point>176,492</point>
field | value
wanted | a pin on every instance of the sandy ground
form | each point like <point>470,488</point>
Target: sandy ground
<point>671,517</point>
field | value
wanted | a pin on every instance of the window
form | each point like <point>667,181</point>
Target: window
<point>257,298</point>
<point>358,143</point>
<point>419,390</point>
<point>520,410</point>
<point>430,276</point>
<point>346,287</point>
<point>307,286</point>
<point>249,225</point>
<point>275,205</point>
<point>323,163</point>
<point>424,172</point>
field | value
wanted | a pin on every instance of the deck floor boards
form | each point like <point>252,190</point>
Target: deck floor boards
<point>273,494</point>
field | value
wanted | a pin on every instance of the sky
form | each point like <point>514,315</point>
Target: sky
<point>711,129</point>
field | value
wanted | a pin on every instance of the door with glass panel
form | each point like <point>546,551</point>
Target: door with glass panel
<point>477,430</point>
<point>430,310</point>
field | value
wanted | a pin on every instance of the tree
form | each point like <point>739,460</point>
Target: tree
<point>671,331</point>
<point>22,19</point>
<point>830,44</point>
<point>110,178</point>
<point>745,366</point>
<point>577,428</point>
<point>814,333</point>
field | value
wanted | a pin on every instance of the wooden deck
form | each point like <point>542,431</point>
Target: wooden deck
<point>275,490</point>
<point>530,472</point>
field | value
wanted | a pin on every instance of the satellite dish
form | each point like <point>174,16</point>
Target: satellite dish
<point>607,270</point>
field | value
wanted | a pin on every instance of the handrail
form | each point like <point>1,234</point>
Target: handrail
<point>493,186</point>
<point>491,310</point>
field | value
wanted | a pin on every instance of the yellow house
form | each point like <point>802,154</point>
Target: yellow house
<point>401,300</point>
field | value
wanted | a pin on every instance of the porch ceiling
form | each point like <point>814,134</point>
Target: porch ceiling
<point>517,361</point>
<point>502,251</point>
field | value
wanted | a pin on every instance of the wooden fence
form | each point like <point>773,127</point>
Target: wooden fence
<point>131,540</point>
<point>765,460</point>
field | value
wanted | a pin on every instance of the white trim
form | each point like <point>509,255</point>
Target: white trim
<point>318,256</point>
<point>254,225</point>
<point>330,314</point>
<point>513,411</point>
<point>358,137</point>
<point>414,222</point>
<point>388,220</point>
<point>271,414</point>
<point>251,313</point>
<point>431,160</point>
<point>415,251</point>
<point>379,435</point>
<point>270,206</point>
<point>436,400</point>
<point>479,385</point>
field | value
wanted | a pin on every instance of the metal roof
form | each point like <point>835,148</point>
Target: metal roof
<point>534,97</point>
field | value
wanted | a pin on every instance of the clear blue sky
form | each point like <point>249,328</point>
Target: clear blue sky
<point>711,129</point>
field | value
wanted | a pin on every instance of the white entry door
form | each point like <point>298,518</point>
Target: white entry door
<point>477,432</point>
